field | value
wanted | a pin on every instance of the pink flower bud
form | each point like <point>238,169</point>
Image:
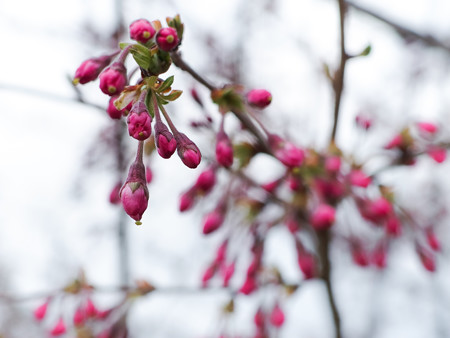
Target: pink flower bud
<point>165,142</point>
<point>432,240</point>
<point>359,255</point>
<point>380,208</point>
<point>208,274</point>
<point>148,175</point>
<point>427,128</point>
<point>277,316</point>
<point>188,151</point>
<point>196,97</point>
<point>437,153</point>
<point>333,164</point>
<point>213,221</point>
<point>113,79</point>
<point>59,328</point>
<point>91,310</point>
<point>290,155</point>
<point>329,190</point>
<point>221,252</point>
<point>141,31</point>
<point>224,150</point>
<point>260,318</point>
<point>359,178</point>
<point>91,68</point>
<point>78,317</point>
<point>307,264</point>
<point>427,259</point>
<point>292,224</point>
<point>114,197</point>
<point>227,273</point>
<point>167,39</point>
<point>270,187</point>
<point>396,142</point>
<point>40,311</point>
<point>187,200</point>
<point>139,122</point>
<point>134,196</point>
<point>323,217</point>
<point>393,226</point>
<point>379,256</point>
<point>206,180</point>
<point>249,286</point>
<point>259,98</point>
<point>113,112</point>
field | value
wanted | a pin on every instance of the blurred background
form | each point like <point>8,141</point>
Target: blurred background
<point>58,169</point>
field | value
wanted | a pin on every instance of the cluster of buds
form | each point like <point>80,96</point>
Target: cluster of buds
<point>264,321</point>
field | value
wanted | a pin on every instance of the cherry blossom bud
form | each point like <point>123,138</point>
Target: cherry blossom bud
<point>91,310</point>
<point>59,328</point>
<point>134,194</point>
<point>148,175</point>
<point>333,164</point>
<point>260,318</point>
<point>165,142</point>
<point>249,285</point>
<point>437,153</point>
<point>141,31</point>
<point>427,128</point>
<point>188,151</point>
<point>379,256</point>
<point>359,179</point>
<point>380,208</point>
<point>139,122</point>
<point>40,311</point>
<point>213,221</point>
<point>307,264</point>
<point>227,273</point>
<point>208,274</point>
<point>187,200</point>
<point>270,187</point>
<point>323,217</point>
<point>113,79</point>
<point>393,226</point>
<point>427,259</point>
<point>206,180</point>
<point>224,150</point>
<point>113,112</point>
<point>290,155</point>
<point>167,39</point>
<point>114,197</point>
<point>277,316</point>
<point>91,68</point>
<point>292,224</point>
<point>78,317</point>
<point>432,240</point>
<point>222,252</point>
<point>359,255</point>
<point>196,97</point>
<point>396,142</point>
<point>259,98</point>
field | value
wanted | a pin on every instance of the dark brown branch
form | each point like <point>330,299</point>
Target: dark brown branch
<point>406,33</point>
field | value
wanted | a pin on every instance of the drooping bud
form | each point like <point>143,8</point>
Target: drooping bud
<point>359,254</point>
<point>113,79</point>
<point>196,97</point>
<point>395,142</point>
<point>249,285</point>
<point>139,122</point>
<point>141,31</point>
<point>393,226</point>
<point>113,112</point>
<point>323,217</point>
<point>379,256</point>
<point>222,252</point>
<point>90,309</point>
<point>40,311</point>
<point>134,193</point>
<point>260,318</point>
<point>59,328</point>
<point>432,240</point>
<point>259,98</point>
<point>206,180</point>
<point>213,221</point>
<point>427,258</point>
<point>307,264</point>
<point>333,164</point>
<point>437,153</point>
<point>277,316</point>
<point>427,128</point>
<point>208,274</point>
<point>79,317</point>
<point>148,175</point>
<point>227,273</point>
<point>187,200</point>
<point>165,141</point>
<point>188,151</point>
<point>288,153</point>
<point>91,68</point>
<point>167,39</point>
<point>114,197</point>
<point>359,179</point>
<point>224,150</point>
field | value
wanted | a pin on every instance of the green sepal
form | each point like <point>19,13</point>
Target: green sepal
<point>124,45</point>
<point>128,95</point>
<point>244,152</point>
<point>166,84</point>
<point>161,101</point>
<point>151,81</point>
<point>134,186</point>
<point>174,94</point>
<point>149,103</point>
<point>228,98</point>
<point>159,63</point>
<point>176,23</point>
<point>141,55</point>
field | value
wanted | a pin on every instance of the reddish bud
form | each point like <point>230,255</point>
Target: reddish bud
<point>91,309</point>
<point>78,317</point>
<point>134,194</point>
<point>359,178</point>
<point>270,187</point>
<point>249,286</point>
<point>427,259</point>
<point>224,150</point>
<point>432,240</point>
<point>307,264</point>
<point>359,255</point>
<point>148,175</point>
<point>59,328</point>
<point>141,31</point>
<point>188,151</point>
<point>113,79</point>
<point>437,153</point>
<point>187,200</point>
<point>396,142</point>
<point>167,39</point>
<point>208,274</point>
<point>165,142</point>
<point>213,221</point>
<point>277,316</point>
<point>260,318</point>
<point>379,256</point>
<point>323,217</point>
<point>114,197</point>
<point>139,122</point>
<point>259,98</point>
<point>206,180</point>
<point>393,226</point>
<point>290,155</point>
<point>427,128</point>
<point>196,97</point>
<point>227,273</point>
<point>90,69</point>
<point>113,112</point>
<point>40,311</point>
<point>292,224</point>
<point>222,252</point>
<point>333,164</point>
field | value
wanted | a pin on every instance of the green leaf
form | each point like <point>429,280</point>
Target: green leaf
<point>161,101</point>
<point>166,84</point>
<point>366,51</point>
<point>141,55</point>
<point>150,81</point>
<point>149,103</point>
<point>244,152</point>
<point>174,94</point>
<point>123,45</point>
